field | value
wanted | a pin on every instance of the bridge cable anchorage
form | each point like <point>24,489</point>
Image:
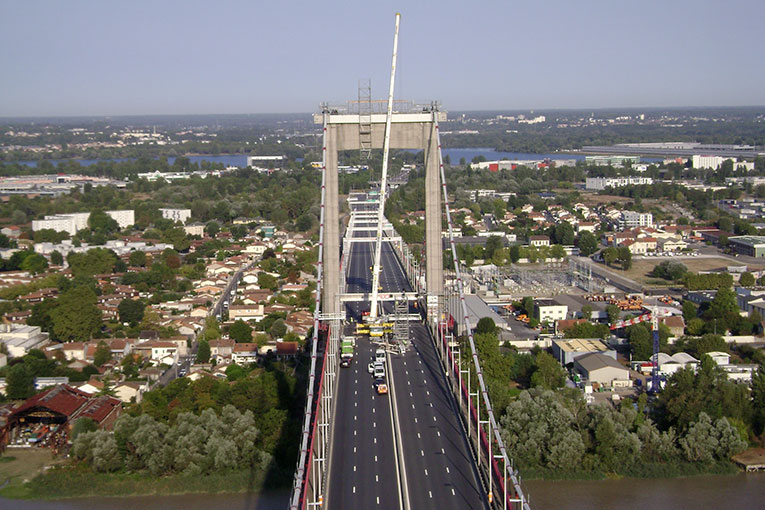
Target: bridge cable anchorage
<point>493,428</point>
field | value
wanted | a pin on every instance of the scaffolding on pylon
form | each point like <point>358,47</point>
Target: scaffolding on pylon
<point>365,119</point>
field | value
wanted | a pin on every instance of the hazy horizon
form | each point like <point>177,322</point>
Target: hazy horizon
<point>84,59</point>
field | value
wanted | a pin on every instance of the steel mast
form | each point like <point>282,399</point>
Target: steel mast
<point>384,178</point>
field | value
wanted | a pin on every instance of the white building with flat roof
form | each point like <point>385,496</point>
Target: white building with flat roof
<point>181,215</point>
<point>74,222</point>
<point>19,339</point>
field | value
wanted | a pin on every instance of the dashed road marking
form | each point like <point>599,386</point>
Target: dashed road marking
<point>426,471</point>
<point>447,469</point>
<point>422,453</point>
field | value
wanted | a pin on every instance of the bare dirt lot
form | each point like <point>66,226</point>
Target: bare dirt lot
<point>18,465</point>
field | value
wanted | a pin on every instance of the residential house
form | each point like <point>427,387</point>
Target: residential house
<point>244,353</point>
<point>246,312</point>
<point>539,241</point>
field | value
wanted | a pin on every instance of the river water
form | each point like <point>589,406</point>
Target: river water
<point>742,491</point>
<point>745,491</point>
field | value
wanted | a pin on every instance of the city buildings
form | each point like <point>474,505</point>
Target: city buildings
<point>601,183</point>
<point>632,219</point>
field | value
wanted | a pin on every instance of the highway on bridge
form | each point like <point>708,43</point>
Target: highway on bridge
<point>429,448</point>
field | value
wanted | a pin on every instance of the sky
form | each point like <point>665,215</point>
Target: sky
<point>263,56</point>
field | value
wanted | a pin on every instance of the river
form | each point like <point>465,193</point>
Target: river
<point>742,491</point>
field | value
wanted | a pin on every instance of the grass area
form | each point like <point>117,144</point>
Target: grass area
<point>641,267</point>
<point>19,465</point>
<point>80,482</point>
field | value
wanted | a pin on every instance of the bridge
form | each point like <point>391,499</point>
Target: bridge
<point>433,440</point>
<point>422,432</point>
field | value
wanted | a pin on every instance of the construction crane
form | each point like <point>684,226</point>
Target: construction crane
<point>373,319</point>
<point>653,315</point>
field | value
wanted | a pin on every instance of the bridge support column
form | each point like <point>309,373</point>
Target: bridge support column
<point>434,271</point>
<point>331,259</point>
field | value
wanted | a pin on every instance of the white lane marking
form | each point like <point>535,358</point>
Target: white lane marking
<point>375,440</point>
<point>415,420</point>
<point>422,453</point>
<point>426,391</point>
<point>377,478</point>
<point>375,458</point>
<point>431,405</point>
<point>434,418</point>
<point>355,392</point>
<point>426,471</point>
<point>354,432</point>
<point>410,394</point>
<point>373,409</point>
<point>442,451</point>
<point>354,417</point>
<point>378,500</point>
<point>354,468</point>
<point>430,494</point>
<point>418,436</point>
<point>354,449</point>
<point>447,469</point>
<point>412,406</point>
<point>374,424</point>
<point>453,493</point>
<point>355,404</point>
<point>439,433</point>
<point>354,489</point>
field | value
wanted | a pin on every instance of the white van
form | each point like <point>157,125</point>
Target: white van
<point>380,355</point>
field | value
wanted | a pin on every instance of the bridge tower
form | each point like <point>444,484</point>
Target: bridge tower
<point>411,128</point>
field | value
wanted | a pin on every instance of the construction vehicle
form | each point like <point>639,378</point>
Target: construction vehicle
<point>346,351</point>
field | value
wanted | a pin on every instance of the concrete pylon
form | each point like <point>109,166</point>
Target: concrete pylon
<point>416,130</point>
<point>434,262</point>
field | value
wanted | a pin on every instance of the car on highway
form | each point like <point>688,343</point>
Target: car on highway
<point>381,387</point>
<point>380,355</point>
<point>371,367</point>
<point>379,372</point>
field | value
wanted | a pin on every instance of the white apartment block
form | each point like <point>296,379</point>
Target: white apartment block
<point>74,222</point>
<point>601,183</point>
<point>632,219</point>
<point>715,162</point>
<point>550,310</point>
<point>181,215</point>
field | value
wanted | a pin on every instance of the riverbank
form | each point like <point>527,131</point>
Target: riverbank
<point>650,470</point>
<point>66,482</point>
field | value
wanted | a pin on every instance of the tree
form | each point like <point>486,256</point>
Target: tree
<point>102,223</point>
<point>131,311</point>
<point>76,318</point>
<point>613,313</point>
<point>549,374</point>
<point>610,255</point>
<point>35,263</point>
<point>563,233</point>
<point>212,228</point>
<point>82,425</point>
<point>625,257</point>
<point>758,399</point>
<point>240,331</point>
<point>514,253</point>
<point>557,252</point>
<point>485,325</point>
<point>641,343</point>
<point>587,312</point>
<point>137,258</point>
<point>689,311</point>
<point>747,279</point>
<point>56,258</point>
<point>203,352</point>
<point>102,355</point>
<point>278,329</point>
<point>723,303</point>
<point>19,382</point>
<point>588,243</point>
<point>493,244</point>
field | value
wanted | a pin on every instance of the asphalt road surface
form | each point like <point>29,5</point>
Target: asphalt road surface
<point>434,455</point>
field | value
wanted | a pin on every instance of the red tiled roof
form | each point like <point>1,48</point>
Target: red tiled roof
<point>62,399</point>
